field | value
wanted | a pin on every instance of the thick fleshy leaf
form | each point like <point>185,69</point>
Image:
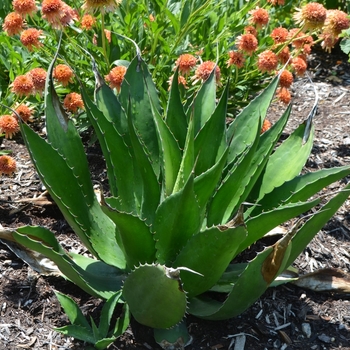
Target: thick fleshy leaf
<point>204,103</point>
<point>107,313</point>
<point>208,253</point>
<point>93,276</point>
<point>242,131</point>
<point>137,97</point>
<point>176,118</point>
<point>212,135</point>
<point>120,170</point>
<point>87,219</point>
<point>278,170</point>
<point>137,239</point>
<point>177,219</point>
<point>155,296</point>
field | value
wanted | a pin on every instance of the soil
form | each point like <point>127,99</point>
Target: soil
<point>285,317</point>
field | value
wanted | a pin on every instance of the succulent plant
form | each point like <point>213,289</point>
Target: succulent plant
<point>188,193</point>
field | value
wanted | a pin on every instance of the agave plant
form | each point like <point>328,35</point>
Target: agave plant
<point>187,194</point>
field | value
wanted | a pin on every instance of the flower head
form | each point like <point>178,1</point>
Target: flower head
<point>24,7</point>
<point>250,30</point>
<point>72,102</point>
<point>283,94</point>
<point>311,16</point>
<point>328,41</point>
<point>266,126</point>
<point>38,76</point>
<point>275,2</point>
<point>267,61</point>
<point>102,5</point>
<point>284,55</point>
<point>259,17</point>
<point>25,112</point>
<point>68,15</point>
<point>236,59</point>
<point>247,43</point>
<point>299,65</point>
<point>108,35</point>
<point>335,22</point>
<point>30,38</point>
<point>279,35</point>
<point>23,85</point>
<point>52,11</point>
<point>7,165</point>
<point>63,74</point>
<point>87,22</point>
<point>9,125</point>
<point>13,23</point>
<point>286,79</point>
<point>181,81</point>
<point>115,77</point>
<point>204,70</point>
<point>186,63</point>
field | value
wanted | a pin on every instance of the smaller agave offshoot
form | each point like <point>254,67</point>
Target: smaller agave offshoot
<point>188,193</point>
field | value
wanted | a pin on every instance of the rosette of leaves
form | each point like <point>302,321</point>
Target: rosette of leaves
<point>188,194</point>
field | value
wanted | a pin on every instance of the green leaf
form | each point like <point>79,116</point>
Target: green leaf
<point>242,131</point>
<point>208,253</point>
<point>177,219</point>
<point>72,310</point>
<point>278,170</point>
<point>93,276</point>
<point>155,296</point>
<point>211,136</point>
<point>170,155</point>
<point>77,332</point>
<point>176,118</point>
<point>137,96</point>
<point>107,313</point>
<point>137,239</point>
<point>204,103</point>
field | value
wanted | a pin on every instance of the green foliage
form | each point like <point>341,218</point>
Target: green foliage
<point>80,328</point>
<point>188,195</point>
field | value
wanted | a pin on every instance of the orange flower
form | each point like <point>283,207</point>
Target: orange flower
<point>186,63</point>
<point>23,85</point>
<point>250,30</point>
<point>259,17</point>
<point>68,15</point>
<point>299,65</point>
<point>87,22</point>
<point>7,165</point>
<point>116,77</point>
<point>328,41</point>
<point>284,55</point>
<point>63,74</point>
<point>52,11</point>
<point>102,5</point>
<point>267,61</point>
<point>13,23</point>
<point>8,125</point>
<point>283,94</point>
<point>247,43</point>
<point>38,76</point>
<point>279,35</point>
<point>286,79</point>
<point>24,7</point>
<point>24,112</point>
<point>275,2</point>
<point>236,59</point>
<point>335,22</point>
<point>266,126</point>
<point>181,81</point>
<point>108,35</point>
<point>72,102</point>
<point>311,16</point>
<point>204,70</point>
<point>30,38</point>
